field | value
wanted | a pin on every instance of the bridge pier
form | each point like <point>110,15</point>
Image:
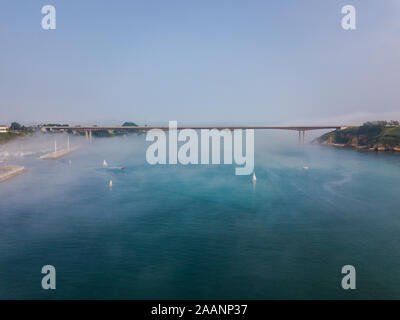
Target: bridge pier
<point>301,136</point>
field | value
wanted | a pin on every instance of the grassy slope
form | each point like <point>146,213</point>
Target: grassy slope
<point>371,136</point>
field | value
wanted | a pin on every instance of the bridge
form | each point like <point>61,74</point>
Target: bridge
<point>88,130</point>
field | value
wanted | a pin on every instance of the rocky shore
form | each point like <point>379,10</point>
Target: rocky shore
<point>372,148</point>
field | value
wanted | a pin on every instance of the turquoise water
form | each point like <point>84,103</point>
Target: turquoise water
<point>200,232</point>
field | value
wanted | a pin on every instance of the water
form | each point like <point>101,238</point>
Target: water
<point>200,232</point>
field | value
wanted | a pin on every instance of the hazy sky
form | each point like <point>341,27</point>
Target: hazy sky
<point>272,62</point>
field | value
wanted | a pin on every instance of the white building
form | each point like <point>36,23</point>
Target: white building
<point>3,129</point>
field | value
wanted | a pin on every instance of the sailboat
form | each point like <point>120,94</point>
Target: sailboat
<point>254,179</point>
<point>110,184</point>
<point>105,164</point>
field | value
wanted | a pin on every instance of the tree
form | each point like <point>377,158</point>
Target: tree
<point>15,126</point>
<point>129,124</point>
<point>56,125</point>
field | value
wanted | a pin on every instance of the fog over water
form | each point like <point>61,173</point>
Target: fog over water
<point>198,231</point>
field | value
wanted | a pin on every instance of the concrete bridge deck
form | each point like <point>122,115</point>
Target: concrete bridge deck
<point>146,128</point>
<point>89,130</point>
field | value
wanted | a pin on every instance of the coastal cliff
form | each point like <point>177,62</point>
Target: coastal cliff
<point>371,136</point>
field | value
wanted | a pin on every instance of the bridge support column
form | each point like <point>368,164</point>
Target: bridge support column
<point>301,136</point>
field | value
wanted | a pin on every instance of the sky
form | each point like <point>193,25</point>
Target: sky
<point>226,61</point>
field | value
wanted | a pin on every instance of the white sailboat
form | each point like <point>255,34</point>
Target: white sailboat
<point>254,179</point>
<point>105,164</point>
<point>110,184</point>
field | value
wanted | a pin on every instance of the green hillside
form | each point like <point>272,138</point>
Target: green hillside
<point>374,136</point>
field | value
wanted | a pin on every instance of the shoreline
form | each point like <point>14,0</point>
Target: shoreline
<point>57,155</point>
<point>11,171</point>
<point>11,136</point>
<point>394,150</point>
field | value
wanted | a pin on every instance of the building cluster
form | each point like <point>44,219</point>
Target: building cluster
<point>3,129</point>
